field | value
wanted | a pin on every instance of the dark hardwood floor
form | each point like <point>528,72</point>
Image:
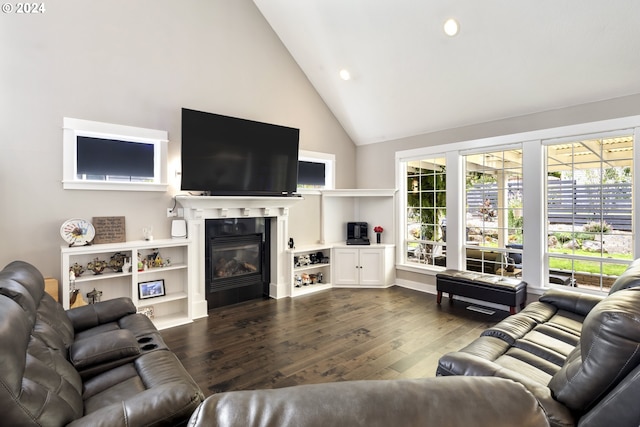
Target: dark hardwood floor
<point>334,335</point>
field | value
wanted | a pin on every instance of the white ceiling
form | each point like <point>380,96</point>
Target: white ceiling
<point>510,58</point>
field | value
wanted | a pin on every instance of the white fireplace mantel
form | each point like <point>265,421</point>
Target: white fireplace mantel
<point>210,207</point>
<point>197,209</point>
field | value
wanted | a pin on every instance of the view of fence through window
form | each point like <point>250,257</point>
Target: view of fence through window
<point>494,216</point>
<point>589,211</point>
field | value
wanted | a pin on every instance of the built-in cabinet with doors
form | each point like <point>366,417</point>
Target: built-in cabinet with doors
<point>350,265</point>
<point>365,266</point>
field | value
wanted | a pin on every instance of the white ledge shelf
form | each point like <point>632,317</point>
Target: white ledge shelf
<point>358,192</point>
<point>235,206</point>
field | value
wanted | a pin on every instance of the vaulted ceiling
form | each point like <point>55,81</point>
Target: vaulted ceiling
<point>510,58</point>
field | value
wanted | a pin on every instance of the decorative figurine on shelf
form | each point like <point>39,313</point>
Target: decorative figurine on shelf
<point>116,262</point>
<point>306,280</point>
<point>304,260</point>
<point>140,263</point>
<point>77,269</point>
<point>94,296</point>
<point>97,266</point>
<point>297,280</point>
<point>126,265</point>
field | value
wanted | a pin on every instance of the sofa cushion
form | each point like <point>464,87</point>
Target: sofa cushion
<point>154,389</point>
<point>103,348</point>
<point>609,349</point>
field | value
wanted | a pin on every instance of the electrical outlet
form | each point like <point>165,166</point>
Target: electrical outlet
<point>171,213</point>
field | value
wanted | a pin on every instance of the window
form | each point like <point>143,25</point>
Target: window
<point>589,210</point>
<point>315,171</point>
<point>494,217</point>
<point>426,229</point>
<point>553,207</point>
<point>103,156</point>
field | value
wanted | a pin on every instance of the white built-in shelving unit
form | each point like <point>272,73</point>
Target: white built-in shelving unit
<point>172,309</point>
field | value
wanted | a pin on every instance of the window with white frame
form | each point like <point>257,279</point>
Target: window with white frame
<point>589,209</point>
<point>316,171</point>
<point>494,217</point>
<point>104,156</point>
<point>567,208</point>
<point>426,209</point>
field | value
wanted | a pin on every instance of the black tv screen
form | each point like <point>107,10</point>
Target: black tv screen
<point>224,155</point>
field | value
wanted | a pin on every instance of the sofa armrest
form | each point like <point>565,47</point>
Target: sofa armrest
<point>107,347</point>
<point>571,301</point>
<point>450,401</point>
<point>92,315</point>
<point>168,404</point>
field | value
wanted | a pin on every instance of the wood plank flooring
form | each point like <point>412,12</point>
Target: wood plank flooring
<point>334,335</point>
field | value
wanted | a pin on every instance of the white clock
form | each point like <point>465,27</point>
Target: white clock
<point>77,232</point>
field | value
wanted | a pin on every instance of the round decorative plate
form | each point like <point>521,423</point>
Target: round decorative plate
<point>77,232</point>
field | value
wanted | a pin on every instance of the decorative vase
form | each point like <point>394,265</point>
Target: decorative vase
<point>378,237</point>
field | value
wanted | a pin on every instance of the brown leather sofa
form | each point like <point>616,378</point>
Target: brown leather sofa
<point>450,401</point>
<point>578,354</point>
<point>101,364</point>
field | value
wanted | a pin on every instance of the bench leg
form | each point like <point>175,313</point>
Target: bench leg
<point>439,298</point>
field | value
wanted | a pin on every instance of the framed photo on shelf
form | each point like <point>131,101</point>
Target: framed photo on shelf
<point>151,289</point>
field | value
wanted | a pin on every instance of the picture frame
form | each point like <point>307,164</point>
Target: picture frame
<point>151,289</point>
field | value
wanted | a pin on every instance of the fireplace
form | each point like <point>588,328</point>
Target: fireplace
<point>236,260</point>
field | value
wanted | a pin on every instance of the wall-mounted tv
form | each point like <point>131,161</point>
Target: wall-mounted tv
<point>230,156</point>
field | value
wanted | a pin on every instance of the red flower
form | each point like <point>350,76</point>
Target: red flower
<point>378,229</point>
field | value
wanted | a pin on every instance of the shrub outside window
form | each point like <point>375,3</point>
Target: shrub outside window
<point>426,211</point>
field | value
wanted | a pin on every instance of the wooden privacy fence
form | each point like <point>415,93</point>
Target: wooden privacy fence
<point>569,202</point>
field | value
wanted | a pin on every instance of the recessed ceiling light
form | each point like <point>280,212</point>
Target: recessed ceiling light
<point>451,27</point>
<point>344,74</point>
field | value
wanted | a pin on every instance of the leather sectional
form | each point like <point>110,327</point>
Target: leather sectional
<point>578,354</point>
<point>101,364</point>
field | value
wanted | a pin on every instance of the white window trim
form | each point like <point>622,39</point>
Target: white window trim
<point>329,161</point>
<point>72,128</point>
<point>534,264</point>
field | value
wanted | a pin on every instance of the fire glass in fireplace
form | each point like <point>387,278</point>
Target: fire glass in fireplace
<point>235,257</point>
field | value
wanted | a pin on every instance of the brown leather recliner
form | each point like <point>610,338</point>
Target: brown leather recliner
<point>100,364</point>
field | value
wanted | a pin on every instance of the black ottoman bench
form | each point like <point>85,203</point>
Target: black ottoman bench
<point>484,287</point>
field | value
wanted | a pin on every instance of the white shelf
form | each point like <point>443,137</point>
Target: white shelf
<point>310,289</point>
<point>159,300</point>
<point>88,276</point>
<point>172,309</point>
<point>311,267</point>
<point>324,268</point>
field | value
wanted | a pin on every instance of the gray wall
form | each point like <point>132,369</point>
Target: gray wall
<point>375,163</point>
<point>136,63</point>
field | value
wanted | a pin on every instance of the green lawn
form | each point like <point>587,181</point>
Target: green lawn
<point>587,266</point>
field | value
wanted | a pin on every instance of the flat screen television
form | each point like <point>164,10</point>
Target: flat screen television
<point>230,156</point>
